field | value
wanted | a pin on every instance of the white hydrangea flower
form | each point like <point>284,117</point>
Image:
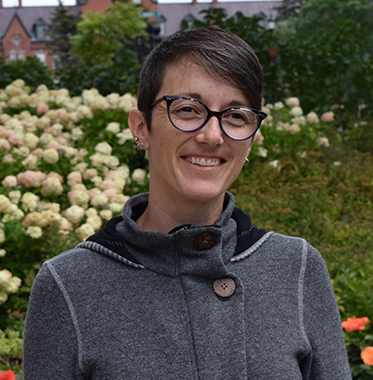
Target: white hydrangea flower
<point>23,151</point>
<point>12,285</point>
<point>2,252</point>
<point>76,134</point>
<point>312,117</point>
<point>45,139</point>
<point>139,176</point>
<point>294,129</point>
<point>278,106</point>
<point>95,221</point>
<point>2,236</point>
<point>35,232</point>
<point>106,214</point>
<point>103,148</point>
<point>296,111</point>
<point>99,200</point>
<point>323,142</point>
<point>74,214</point>
<point>9,181</point>
<point>113,127</point>
<point>262,152</point>
<point>124,136</point>
<point>115,207</point>
<point>51,156</point>
<point>31,140</point>
<point>29,201</point>
<point>85,112</point>
<point>275,164</point>
<point>91,212</point>
<point>5,204</point>
<point>84,231</point>
<point>15,196</point>
<point>5,276</point>
<point>113,99</point>
<point>30,162</point>
<point>292,102</point>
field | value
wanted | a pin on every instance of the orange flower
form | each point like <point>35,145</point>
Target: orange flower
<point>367,355</point>
<point>353,323</point>
<point>7,375</point>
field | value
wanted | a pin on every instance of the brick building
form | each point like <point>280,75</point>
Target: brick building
<point>22,29</point>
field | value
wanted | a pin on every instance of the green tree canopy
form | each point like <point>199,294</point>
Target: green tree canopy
<point>60,29</point>
<point>101,35</point>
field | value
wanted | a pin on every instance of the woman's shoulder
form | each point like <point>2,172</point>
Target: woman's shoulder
<point>276,246</point>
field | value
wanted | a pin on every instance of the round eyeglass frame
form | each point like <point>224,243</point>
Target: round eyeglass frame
<point>171,98</point>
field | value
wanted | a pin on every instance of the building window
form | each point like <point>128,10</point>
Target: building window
<point>21,54</point>
<point>39,28</point>
<point>12,55</point>
<point>42,57</point>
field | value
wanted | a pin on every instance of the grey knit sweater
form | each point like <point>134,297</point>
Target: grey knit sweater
<point>156,313</point>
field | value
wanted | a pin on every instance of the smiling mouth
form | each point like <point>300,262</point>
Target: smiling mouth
<point>203,161</point>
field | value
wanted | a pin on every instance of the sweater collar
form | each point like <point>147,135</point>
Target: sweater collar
<point>176,253</point>
<point>191,249</point>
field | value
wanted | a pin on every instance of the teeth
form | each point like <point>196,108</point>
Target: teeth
<point>202,161</point>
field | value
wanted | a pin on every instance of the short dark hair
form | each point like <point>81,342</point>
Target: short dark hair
<point>220,52</point>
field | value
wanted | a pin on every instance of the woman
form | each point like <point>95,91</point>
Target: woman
<point>183,286</point>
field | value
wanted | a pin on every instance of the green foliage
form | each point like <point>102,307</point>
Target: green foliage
<point>120,75</point>
<point>324,55</point>
<point>289,8</point>
<point>319,17</point>
<point>100,35</point>
<point>60,29</point>
<point>31,70</point>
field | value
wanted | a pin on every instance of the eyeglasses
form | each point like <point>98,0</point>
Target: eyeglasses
<point>190,115</point>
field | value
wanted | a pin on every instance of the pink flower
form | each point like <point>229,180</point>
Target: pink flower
<point>4,144</point>
<point>353,323</point>
<point>74,178</point>
<point>30,178</point>
<point>42,109</point>
<point>327,117</point>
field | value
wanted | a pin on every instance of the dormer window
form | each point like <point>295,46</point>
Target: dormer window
<point>39,28</point>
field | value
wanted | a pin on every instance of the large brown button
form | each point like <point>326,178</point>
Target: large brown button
<point>224,287</point>
<point>204,241</point>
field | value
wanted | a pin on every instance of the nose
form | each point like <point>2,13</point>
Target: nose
<point>211,132</point>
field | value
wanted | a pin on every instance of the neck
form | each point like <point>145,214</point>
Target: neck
<point>164,216</point>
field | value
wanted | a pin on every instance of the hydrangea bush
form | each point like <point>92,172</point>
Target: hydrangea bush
<point>68,164</point>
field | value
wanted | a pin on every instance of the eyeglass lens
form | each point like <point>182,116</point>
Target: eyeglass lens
<point>189,115</point>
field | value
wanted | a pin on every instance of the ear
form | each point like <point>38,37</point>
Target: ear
<point>139,127</point>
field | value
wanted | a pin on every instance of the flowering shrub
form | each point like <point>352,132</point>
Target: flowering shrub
<point>68,164</point>
<point>357,348</point>
<point>287,128</point>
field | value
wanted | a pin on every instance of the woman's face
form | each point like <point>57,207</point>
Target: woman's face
<point>193,166</point>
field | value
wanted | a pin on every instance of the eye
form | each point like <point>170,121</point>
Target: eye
<point>186,109</point>
<point>239,117</point>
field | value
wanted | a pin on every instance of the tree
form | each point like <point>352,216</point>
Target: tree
<point>289,8</point>
<point>102,35</point>
<point>62,26</point>
<point>31,70</point>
